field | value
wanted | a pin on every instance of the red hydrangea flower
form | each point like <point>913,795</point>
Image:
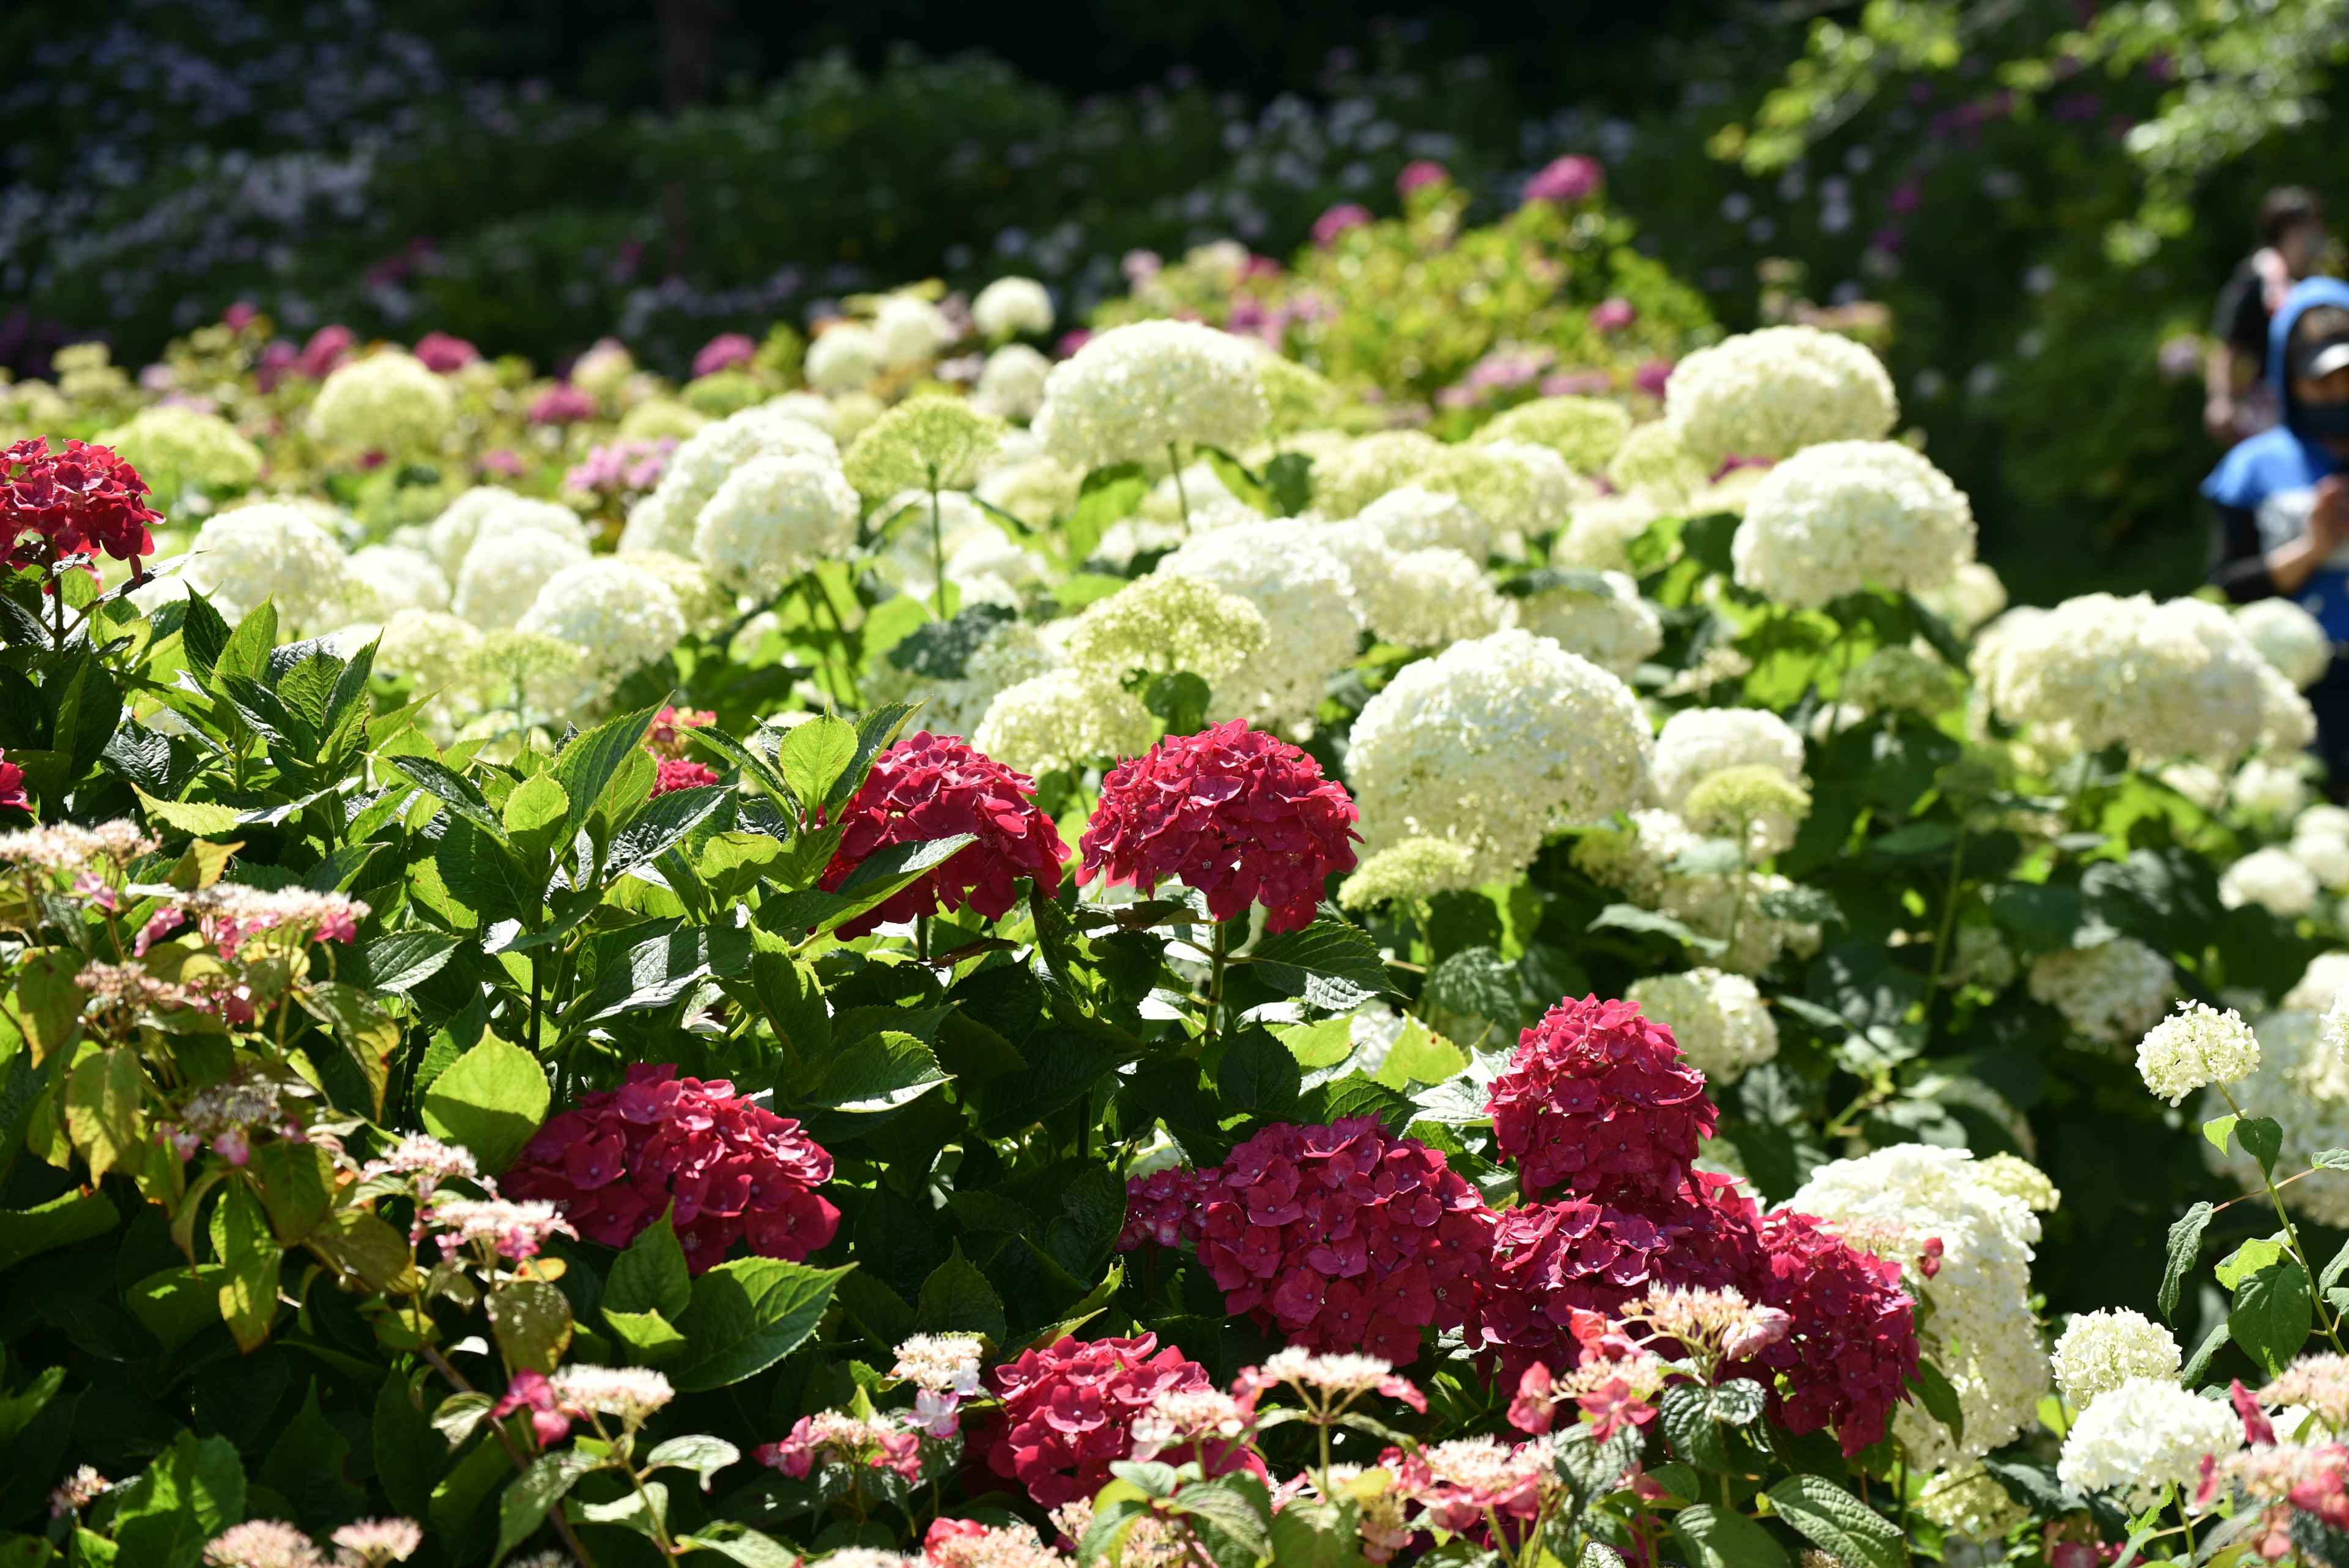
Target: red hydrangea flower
<point>1852,1347</point>
<point>1345,1237</point>
<point>670,774</point>
<point>1239,815</point>
<point>11,784</point>
<point>440,353</point>
<point>1068,1410</point>
<point>531,1391</point>
<point>931,786</point>
<point>618,1160</point>
<point>1167,1207</point>
<point>1598,1099</point>
<point>727,351</point>
<point>327,349</point>
<point>562,404</point>
<point>76,502</point>
<point>665,737</point>
<point>1420,171</point>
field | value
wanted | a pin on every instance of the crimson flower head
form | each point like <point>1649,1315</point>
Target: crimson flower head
<point>1165,1206</point>
<point>562,404</point>
<point>1068,1410</point>
<point>670,775</point>
<point>930,787</point>
<point>618,1160</point>
<point>441,353</point>
<point>666,735</point>
<point>1599,1100</point>
<point>1241,816</point>
<point>1851,1344</point>
<point>727,351</point>
<point>76,502</point>
<point>11,784</point>
<point>1345,1237</point>
<point>329,348</point>
<point>1345,216</point>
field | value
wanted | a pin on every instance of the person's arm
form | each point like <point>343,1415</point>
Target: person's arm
<point>2290,564</point>
<point>2237,565</point>
<point>2218,391</point>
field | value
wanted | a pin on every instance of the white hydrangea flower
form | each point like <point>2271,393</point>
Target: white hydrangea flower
<point>1970,599</point>
<point>1064,720</point>
<point>1012,308</point>
<point>1833,519</point>
<point>988,568</point>
<point>2274,880</point>
<point>429,645</point>
<point>2326,855</point>
<point>1011,383</point>
<point>806,407</point>
<point>2110,992</point>
<point>501,574</point>
<point>1719,1020</point>
<point>1414,868</point>
<point>1136,390</point>
<point>2302,1080</point>
<point>1492,740</point>
<point>1010,653</point>
<point>271,550</point>
<point>772,519</point>
<point>1585,431</point>
<point>2144,1437</point>
<point>843,357</point>
<point>2265,788</point>
<point>2102,1350</point>
<point>1035,490</point>
<point>1606,622</point>
<point>1638,863</point>
<point>1163,623</point>
<point>666,519</point>
<point>180,449</point>
<point>1411,517</point>
<point>1697,743</point>
<point>1306,597</point>
<point>524,515</point>
<point>1653,461</point>
<point>2194,1048</point>
<point>1969,1501</point>
<point>2287,724</point>
<point>615,612</point>
<point>2171,680</point>
<point>451,534</point>
<point>1520,490</point>
<point>707,608</point>
<point>1981,1332</point>
<point>2320,984</point>
<point>1418,598</point>
<point>1772,393</point>
<point>1599,533</point>
<point>2018,1180</point>
<point>909,330</point>
<point>2289,638</point>
<point>1358,473</point>
<point>1979,956</point>
<point>381,580</point>
<point>387,403</point>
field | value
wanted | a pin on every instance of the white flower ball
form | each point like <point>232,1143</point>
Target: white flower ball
<point>387,403</point>
<point>1774,392</point>
<point>2326,855</point>
<point>1719,1020</point>
<point>1833,519</point>
<point>1065,721</point>
<point>666,519</point>
<point>1134,392</point>
<point>2304,1074</point>
<point>2289,638</point>
<point>1351,477</point>
<point>450,535</point>
<point>503,574</point>
<point>1035,490</point>
<point>180,448</point>
<point>1698,742</point>
<point>2274,880</point>
<point>1606,622</point>
<point>2144,1437</point>
<point>1491,742</point>
<point>427,644</point>
<point>707,608</point>
<point>2102,1350</point>
<point>2320,984</point>
<point>272,550</point>
<point>1410,517</point>
<point>1011,383</point>
<point>615,612</point>
<point>1520,490</point>
<point>384,579</point>
<point>523,514</point>
<point>1599,534</point>
<point>843,357</point>
<point>2109,992</point>
<point>2194,1048</point>
<point>2269,789</point>
<point>1971,598</point>
<point>909,330</point>
<point>773,519</point>
<point>1012,308</point>
<point>1306,597</point>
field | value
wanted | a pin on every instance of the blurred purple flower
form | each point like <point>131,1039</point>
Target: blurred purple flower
<point>277,362</point>
<point>443,353</point>
<point>562,404</point>
<point>633,464</point>
<point>727,351</point>
<point>498,460</point>
<point>1420,171</point>
<point>1072,341</point>
<point>1576,384</point>
<point>1651,376</point>
<point>1613,314</point>
<point>238,316</point>
<point>328,346</point>
<point>1567,179</point>
<point>1337,220</point>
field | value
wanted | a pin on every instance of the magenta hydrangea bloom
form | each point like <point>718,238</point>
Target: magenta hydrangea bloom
<point>1569,179</point>
<point>1598,1099</point>
<point>1420,171</point>
<point>440,353</point>
<point>562,404</point>
<point>329,348</point>
<point>727,351</point>
<point>1345,216</point>
<point>1068,1410</point>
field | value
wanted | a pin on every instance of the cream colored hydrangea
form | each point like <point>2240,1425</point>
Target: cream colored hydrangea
<point>1359,473</point>
<point>1519,490</point>
<point>2099,1351</point>
<point>1652,462</point>
<point>1833,519</point>
<point>1640,861</point>
<point>1981,1332</point>
<point>1599,533</point>
<point>1298,397</point>
<point>272,550</point>
<point>1970,599</point>
<point>1585,431</point>
<point>1134,392</point>
<point>387,403</point>
<point>451,534</point>
<point>2289,638</point>
<point>1009,654</point>
<point>1899,679</point>
<point>2301,1081</point>
<point>1011,383</point>
<point>1037,490</point>
<point>2194,1048</point>
<point>1605,620</point>
<point>1413,517</point>
<point>707,608</point>
<point>2111,992</point>
<point>1427,598</point>
<point>1062,720</point>
<point>1491,742</point>
<point>429,644</point>
<point>2274,880</point>
<point>2145,1436</point>
<point>1163,623</point>
<point>772,519</point>
<point>617,614</point>
<point>667,519</point>
<point>1699,741</point>
<point>843,357</point>
<point>1718,1019</point>
<point>1414,868</point>
<point>1012,308</point>
<point>1306,597</point>
<point>1750,803</point>
<point>381,580</point>
<point>908,330</point>
<point>2269,789</point>
<point>501,574</point>
<point>923,443</point>
<point>178,450</point>
<point>1774,392</point>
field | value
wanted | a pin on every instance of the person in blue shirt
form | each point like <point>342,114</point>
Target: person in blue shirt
<point>2280,501</point>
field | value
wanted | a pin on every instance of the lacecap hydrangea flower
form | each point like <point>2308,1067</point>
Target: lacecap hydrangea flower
<point>1012,308</point>
<point>1585,431</point>
<point>1133,392</point>
<point>1490,742</point>
<point>1719,1020</point>
<point>2146,1436</point>
<point>772,519</point>
<point>620,615</point>
<point>1772,393</point>
<point>1599,616</point>
<point>387,403</point>
<point>1413,517</point>
<point>2194,1048</point>
<point>2099,1351</point>
<point>1697,743</point>
<point>178,450</point>
<point>1845,515</point>
<point>2289,638</point>
<point>2110,992</point>
<point>272,550</point>
<point>1166,622</point>
<point>923,443</point>
<point>1305,597</point>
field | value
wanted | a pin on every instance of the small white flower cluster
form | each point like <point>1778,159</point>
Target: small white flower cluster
<point>1491,742</point>
<point>2320,841</point>
<point>2289,638</point>
<point>1606,622</point>
<point>2264,788</point>
<point>1772,393</point>
<point>277,551</point>
<point>1413,517</point>
<point>2275,879</point>
<point>1718,1019</point>
<point>1429,597</point>
<point>2102,1350</point>
<point>2194,1048</point>
<point>1064,720</point>
<point>1981,1332</point>
<point>2146,1436</point>
<point>1586,431</point>
<point>1012,308</point>
<point>1136,391</point>
<point>2109,992</point>
<point>1968,599</point>
<point>1838,517</point>
<point>178,450</point>
<point>1306,597</point>
<point>1358,474</point>
<point>387,403</point>
<point>2301,1079</point>
<point>1641,862</point>
<point>1697,743</point>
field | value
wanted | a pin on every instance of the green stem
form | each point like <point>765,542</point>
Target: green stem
<point>938,544</point>
<point>1949,915</point>
<point>1174,456</point>
<point>554,1516</point>
<point>2332,1325</point>
<point>2184,1520</point>
<point>1217,949</point>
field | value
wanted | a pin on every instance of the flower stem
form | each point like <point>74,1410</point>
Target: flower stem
<point>938,543</point>
<point>2332,1325</point>
<point>1217,948</point>
<point>1175,457</point>
<point>555,1515</point>
<point>1949,915</point>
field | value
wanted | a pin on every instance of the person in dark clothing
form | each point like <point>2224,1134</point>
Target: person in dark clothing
<point>2236,385</point>
<point>2280,501</point>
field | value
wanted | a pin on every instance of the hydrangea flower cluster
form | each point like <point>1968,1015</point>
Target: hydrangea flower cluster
<point>1598,1100</point>
<point>620,1158</point>
<point>1772,393</point>
<point>1853,1344</point>
<point>1843,515</point>
<point>1133,392</point>
<point>1237,813</point>
<point>2099,1351</point>
<point>1068,1410</point>
<point>1344,1237</point>
<point>1166,622</point>
<point>271,550</point>
<point>1585,431</point>
<point>387,403</point>
<point>619,615</point>
<point>2194,1048</point>
<point>184,451</point>
<point>1606,622</point>
<point>926,786</point>
<point>1719,1020</point>
<point>834,1437</point>
<point>1305,598</point>
<point>2289,638</point>
<point>1166,1207</point>
<point>76,501</point>
<point>2110,992</point>
<point>2144,1436</point>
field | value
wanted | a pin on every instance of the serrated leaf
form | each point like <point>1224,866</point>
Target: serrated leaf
<point>589,763</point>
<point>2271,1315</point>
<point>2263,1139</point>
<point>2185,1246</point>
<point>1837,1523</point>
<point>704,1456</point>
<point>1715,1537</point>
<point>1331,947</point>
<point>452,789</point>
<point>958,1298</point>
<point>1631,917</point>
<point>662,825</point>
<point>747,1314</point>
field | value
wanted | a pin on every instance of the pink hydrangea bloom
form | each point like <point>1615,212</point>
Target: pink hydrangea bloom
<point>727,351</point>
<point>1068,1408</point>
<point>1598,1099</point>
<point>1420,171</point>
<point>1569,179</point>
<point>1345,216</point>
<point>441,353</point>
